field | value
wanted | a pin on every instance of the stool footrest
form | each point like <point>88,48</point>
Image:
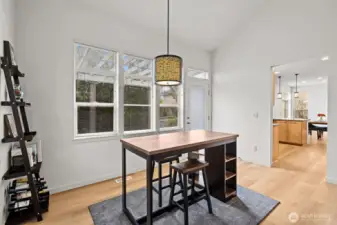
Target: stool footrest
<point>191,200</point>
<point>181,191</point>
<point>157,179</point>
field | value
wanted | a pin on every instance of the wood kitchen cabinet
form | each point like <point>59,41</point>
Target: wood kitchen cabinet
<point>282,131</point>
<point>276,135</point>
<point>292,131</point>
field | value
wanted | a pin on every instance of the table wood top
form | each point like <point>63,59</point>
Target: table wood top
<point>156,144</point>
<point>319,122</point>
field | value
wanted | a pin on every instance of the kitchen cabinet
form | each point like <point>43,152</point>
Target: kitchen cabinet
<point>276,140</point>
<point>282,131</point>
<point>292,131</point>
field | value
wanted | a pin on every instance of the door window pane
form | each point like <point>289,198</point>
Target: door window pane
<point>198,74</point>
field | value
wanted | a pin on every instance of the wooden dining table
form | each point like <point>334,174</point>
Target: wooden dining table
<point>319,126</point>
<point>220,153</point>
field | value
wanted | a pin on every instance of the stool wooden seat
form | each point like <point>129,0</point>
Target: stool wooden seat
<point>160,178</point>
<point>190,166</point>
<point>187,168</point>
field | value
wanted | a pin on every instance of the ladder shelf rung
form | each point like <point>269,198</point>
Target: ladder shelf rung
<point>12,174</point>
<point>16,103</point>
<point>28,137</point>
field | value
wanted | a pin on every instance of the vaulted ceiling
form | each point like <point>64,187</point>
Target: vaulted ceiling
<point>202,23</point>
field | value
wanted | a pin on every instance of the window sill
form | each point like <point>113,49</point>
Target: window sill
<point>170,129</point>
<point>97,137</point>
<point>138,133</point>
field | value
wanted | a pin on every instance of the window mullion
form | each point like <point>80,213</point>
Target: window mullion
<point>120,102</point>
<point>92,119</point>
<point>156,100</point>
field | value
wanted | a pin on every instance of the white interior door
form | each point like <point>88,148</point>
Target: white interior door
<point>197,110</point>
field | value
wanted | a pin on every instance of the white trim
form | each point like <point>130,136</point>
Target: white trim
<point>95,135</point>
<point>67,187</point>
<point>131,132</point>
<point>132,76</point>
<point>94,104</point>
<point>169,105</point>
<point>331,180</point>
<point>139,105</point>
<point>169,129</point>
<point>97,72</point>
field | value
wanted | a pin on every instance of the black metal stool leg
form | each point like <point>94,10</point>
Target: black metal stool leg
<point>180,179</point>
<point>185,200</point>
<point>170,174</point>
<point>208,198</point>
<point>173,184</point>
<point>193,184</point>
<point>160,189</point>
<point>153,165</point>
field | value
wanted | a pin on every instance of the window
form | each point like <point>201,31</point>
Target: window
<point>169,106</point>
<point>137,93</point>
<point>95,74</point>
<point>115,94</point>
<point>197,74</point>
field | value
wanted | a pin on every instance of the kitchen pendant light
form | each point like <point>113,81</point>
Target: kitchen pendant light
<point>279,94</point>
<point>168,68</point>
<point>296,94</point>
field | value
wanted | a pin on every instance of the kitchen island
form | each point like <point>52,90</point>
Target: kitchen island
<point>292,131</point>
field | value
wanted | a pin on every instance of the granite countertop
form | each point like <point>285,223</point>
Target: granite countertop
<point>294,119</point>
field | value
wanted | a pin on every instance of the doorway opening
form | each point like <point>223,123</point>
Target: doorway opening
<point>300,114</point>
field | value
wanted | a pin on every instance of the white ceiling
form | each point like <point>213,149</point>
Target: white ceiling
<point>311,72</point>
<point>203,23</point>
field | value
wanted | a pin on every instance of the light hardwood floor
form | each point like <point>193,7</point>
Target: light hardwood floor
<point>297,180</point>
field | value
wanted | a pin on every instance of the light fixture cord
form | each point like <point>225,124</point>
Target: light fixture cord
<point>168,27</point>
<point>296,81</point>
<point>279,84</point>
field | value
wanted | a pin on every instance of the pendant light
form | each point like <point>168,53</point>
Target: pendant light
<point>296,94</point>
<point>168,68</point>
<point>279,94</point>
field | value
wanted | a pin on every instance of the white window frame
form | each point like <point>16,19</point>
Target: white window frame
<point>179,107</point>
<point>152,104</point>
<point>114,104</point>
<point>118,104</point>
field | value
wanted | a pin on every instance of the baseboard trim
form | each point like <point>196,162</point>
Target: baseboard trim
<point>68,187</point>
<point>331,180</point>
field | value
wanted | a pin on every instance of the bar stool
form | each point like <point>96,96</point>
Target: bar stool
<point>161,177</point>
<point>187,168</point>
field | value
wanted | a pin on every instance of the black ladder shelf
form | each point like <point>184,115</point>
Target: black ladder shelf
<point>22,128</point>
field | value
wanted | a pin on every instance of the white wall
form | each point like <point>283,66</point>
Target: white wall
<point>6,33</point>
<point>46,31</point>
<point>278,108</point>
<point>282,32</point>
<point>317,99</point>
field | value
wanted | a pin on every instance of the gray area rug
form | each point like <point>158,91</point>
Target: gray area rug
<point>248,208</point>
